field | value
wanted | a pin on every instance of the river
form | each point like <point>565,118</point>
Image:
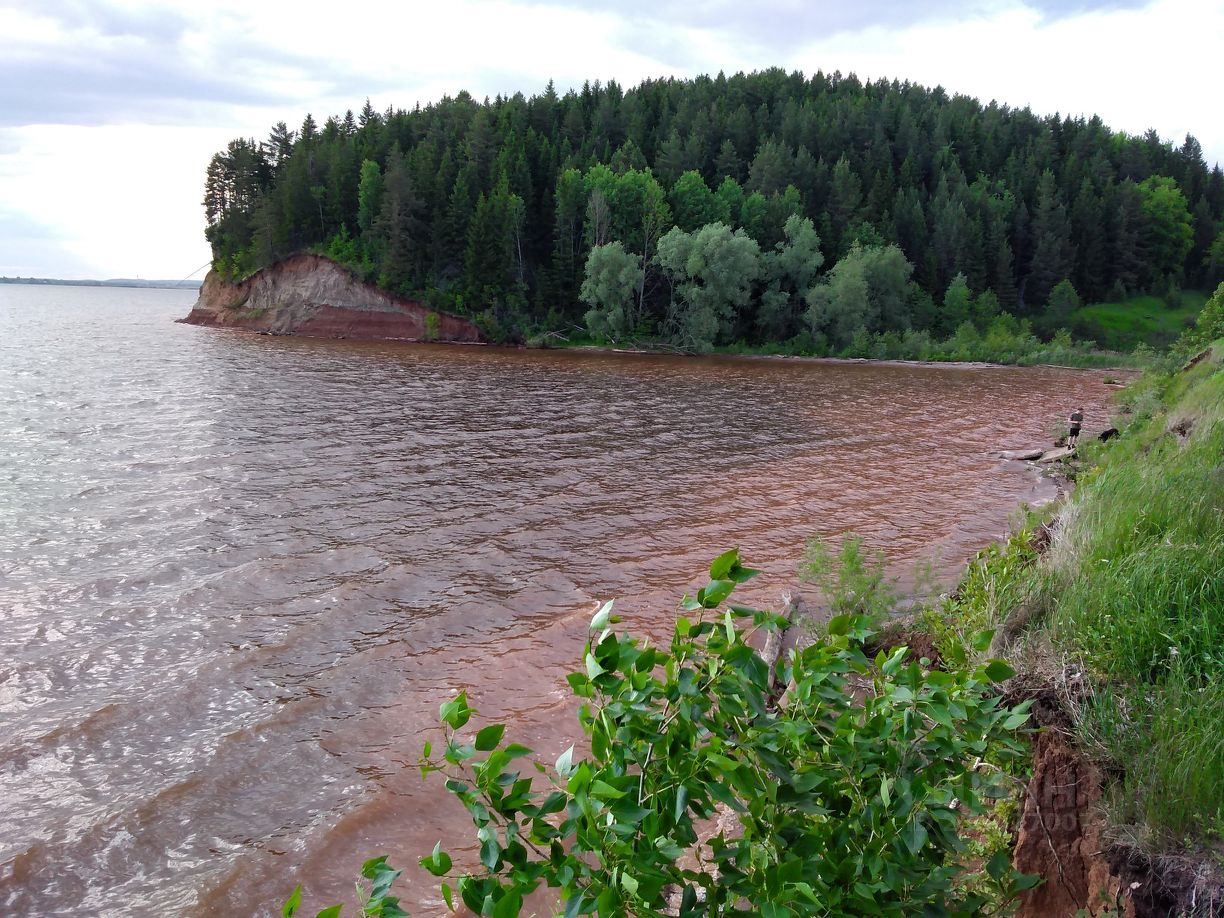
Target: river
<point>239,573</point>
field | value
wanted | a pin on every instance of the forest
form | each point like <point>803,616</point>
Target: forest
<point>769,209</point>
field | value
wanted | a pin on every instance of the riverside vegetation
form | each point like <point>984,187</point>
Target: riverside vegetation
<point>860,780</point>
<point>817,215</point>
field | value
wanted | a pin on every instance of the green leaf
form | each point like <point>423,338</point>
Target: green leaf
<point>999,671</point>
<point>914,836</point>
<point>490,853</point>
<point>998,866</point>
<point>1016,720</point>
<point>839,625</point>
<point>629,884</point>
<point>981,640</point>
<point>593,667</point>
<point>1027,881</point>
<point>370,867</point>
<point>580,685</point>
<point>564,766</point>
<point>455,713</point>
<point>682,795</point>
<point>293,902</point>
<point>448,896</point>
<point>332,912</point>
<point>743,574</point>
<point>715,592</point>
<point>724,564</point>
<point>600,621</point>
<point>508,906</point>
<point>438,863</point>
<point>488,738</point>
<point>603,789</point>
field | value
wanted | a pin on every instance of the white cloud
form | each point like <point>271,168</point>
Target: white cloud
<point>148,91</point>
<point>1137,69</point>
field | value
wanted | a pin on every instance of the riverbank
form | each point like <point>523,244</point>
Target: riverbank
<point>312,296</point>
<point>1123,365</point>
<point>1006,341</point>
<point>1111,607</point>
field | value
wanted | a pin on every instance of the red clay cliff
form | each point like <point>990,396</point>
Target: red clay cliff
<point>315,297</point>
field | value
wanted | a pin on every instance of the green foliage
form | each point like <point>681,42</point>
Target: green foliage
<point>695,205</point>
<point>852,580</point>
<point>788,271</point>
<point>848,795</point>
<point>612,278</point>
<point>433,324</point>
<point>1208,326</point>
<point>1170,230</point>
<point>1063,303</point>
<point>993,586</point>
<point>866,290</point>
<point>1123,324</point>
<point>1166,749</point>
<point>369,195</point>
<point>501,201</point>
<point>710,271</point>
<point>374,902</point>
<point>1128,598</point>
<point>957,304</point>
<point>1150,536</point>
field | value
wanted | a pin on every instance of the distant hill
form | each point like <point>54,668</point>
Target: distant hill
<point>662,211</point>
<point>112,282</point>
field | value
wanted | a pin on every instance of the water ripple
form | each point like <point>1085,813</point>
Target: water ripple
<point>238,573</point>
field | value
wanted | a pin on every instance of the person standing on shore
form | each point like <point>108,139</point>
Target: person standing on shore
<point>1077,421</point>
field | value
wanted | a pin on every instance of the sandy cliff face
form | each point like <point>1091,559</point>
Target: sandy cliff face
<point>313,296</point>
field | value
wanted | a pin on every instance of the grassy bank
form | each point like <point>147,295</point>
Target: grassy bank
<point>1150,320</point>
<point>1005,341</point>
<point>1117,602</point>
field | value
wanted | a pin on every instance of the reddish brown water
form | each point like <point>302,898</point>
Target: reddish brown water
<point>238,573</point>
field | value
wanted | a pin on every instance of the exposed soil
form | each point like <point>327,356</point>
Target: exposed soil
<point>312,296</point>
<point>1061,834</point>
<point>1063,837</point>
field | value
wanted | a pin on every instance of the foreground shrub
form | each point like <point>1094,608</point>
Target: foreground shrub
<point>846,796</point>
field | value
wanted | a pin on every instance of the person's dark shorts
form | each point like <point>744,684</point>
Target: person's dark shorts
<point>1074,432</point>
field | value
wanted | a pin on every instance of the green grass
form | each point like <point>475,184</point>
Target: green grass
<point>1131,595</point>
<point>1136,588</point>
<point>1139,319</point>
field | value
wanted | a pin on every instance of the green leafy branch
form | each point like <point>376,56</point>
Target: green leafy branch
<point>847,799</point>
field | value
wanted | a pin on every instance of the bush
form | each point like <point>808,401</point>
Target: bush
<point>848,794</point>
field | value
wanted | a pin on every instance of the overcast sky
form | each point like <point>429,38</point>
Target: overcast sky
<point>111,109</point>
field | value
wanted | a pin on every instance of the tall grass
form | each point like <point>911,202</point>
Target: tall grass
<point>1135,589</point>
<point>1164,748</point>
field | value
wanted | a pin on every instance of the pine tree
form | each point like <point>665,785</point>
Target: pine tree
<point>1089,233</point>
<point>845,201</point>
<point>1053,251</point>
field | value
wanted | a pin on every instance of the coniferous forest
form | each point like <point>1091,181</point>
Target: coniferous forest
<point>764,209</point>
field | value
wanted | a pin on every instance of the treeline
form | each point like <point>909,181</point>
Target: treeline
<point>711,205</point>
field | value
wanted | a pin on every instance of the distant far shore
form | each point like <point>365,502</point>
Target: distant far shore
<point>114,282</point>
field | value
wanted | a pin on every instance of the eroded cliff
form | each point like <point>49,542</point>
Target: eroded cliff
<point>314,296</point>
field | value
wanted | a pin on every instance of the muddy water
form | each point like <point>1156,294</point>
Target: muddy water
<point>239,573</point>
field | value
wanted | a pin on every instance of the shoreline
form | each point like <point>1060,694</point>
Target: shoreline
<point>809,358</point>
<point>660,352</point>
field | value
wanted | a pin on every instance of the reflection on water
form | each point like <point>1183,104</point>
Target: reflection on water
<point>239,573</point>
